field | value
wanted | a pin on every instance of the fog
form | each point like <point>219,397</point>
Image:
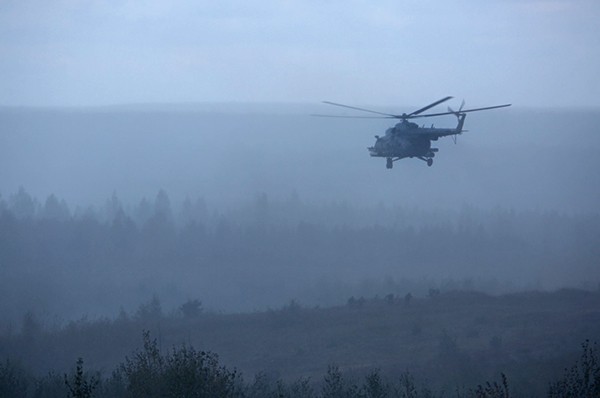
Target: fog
<point>528,52</point>
<point>514,158</point>
<point>164,186</point>
<point>246,207</point>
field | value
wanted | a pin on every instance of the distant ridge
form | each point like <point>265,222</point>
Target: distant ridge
<point>183,107</point>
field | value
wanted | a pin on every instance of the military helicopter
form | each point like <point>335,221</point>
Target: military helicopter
<point>407,139</point>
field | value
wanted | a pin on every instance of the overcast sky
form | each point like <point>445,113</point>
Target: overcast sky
<point>540,53</point>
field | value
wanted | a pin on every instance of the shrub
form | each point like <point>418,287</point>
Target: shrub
<point>142,372</point>
<point>492,390</point>
<point>150,311</point>
<point>407,388</point>
<point>390,299</point>
<point>50,386</point>
<point>374,386</point>
<point>79,384</point>
<point>13,380</point>
<point>583,379</point>
<point>301,388</point>
<point>356,303</point>
<point>191,309</point>
<point>184,372</point>
<point>335,386</point>
<point>191,373</point>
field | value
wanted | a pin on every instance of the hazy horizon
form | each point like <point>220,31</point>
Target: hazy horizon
<point>514,157</point>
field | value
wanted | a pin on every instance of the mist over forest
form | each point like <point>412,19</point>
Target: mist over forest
<point>248,207</point>
<point>515,158</point>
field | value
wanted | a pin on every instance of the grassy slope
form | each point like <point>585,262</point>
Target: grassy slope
<point>458,336</point>
<point>454,338</point>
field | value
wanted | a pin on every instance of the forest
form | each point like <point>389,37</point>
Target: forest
<point>487,310</point>
<point>63,263</point>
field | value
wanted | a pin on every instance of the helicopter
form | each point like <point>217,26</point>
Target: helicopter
<point>406,139</point>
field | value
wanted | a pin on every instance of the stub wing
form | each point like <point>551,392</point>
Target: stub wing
<point>444,134</point>
<point>433,134</point>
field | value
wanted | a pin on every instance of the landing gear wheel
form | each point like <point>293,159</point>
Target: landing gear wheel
<point>429,162</point>
<point>390,163</point>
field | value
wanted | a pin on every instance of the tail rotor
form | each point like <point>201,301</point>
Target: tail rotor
<point>457,113</point>
<point>461,119</point>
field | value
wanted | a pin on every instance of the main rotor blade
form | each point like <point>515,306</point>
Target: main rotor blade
<point>487,107</point>
<point>354,117</point>
<point>415,114</point>
<point>429,106</point>
<point>359,109</point>
<point>463,111</point>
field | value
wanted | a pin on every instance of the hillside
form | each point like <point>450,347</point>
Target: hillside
<point>447,339</point>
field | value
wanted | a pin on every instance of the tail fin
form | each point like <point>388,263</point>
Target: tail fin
<point>460,116</point>
<point>461,121</point>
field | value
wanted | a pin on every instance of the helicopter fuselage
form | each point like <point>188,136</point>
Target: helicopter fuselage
<point>408,140</point>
